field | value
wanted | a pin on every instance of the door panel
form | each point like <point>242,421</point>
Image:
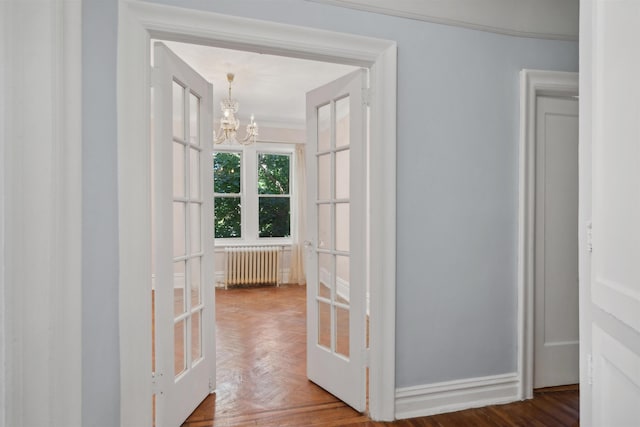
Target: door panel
<point>182,242</point>
<point>556,356</point>
<point>610,40</point>
<point>336,281</point>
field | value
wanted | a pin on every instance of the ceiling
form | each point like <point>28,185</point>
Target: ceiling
<point>271,87</point>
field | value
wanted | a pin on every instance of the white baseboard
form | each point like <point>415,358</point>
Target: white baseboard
<point>431,399</point>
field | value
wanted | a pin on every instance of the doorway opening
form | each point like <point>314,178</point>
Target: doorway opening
<point>273,91</point>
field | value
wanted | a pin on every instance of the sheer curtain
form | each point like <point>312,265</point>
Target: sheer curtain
<point>297,271</point>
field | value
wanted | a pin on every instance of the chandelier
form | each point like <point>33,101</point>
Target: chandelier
<point>229,124</point>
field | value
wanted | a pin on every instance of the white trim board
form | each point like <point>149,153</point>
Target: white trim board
<point>138,23</point>
<point>546,19</point>
<point>449,396</point>
<point>41,217</point>
<point>533,83</point>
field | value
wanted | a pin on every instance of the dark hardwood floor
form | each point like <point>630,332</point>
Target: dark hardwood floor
<point>261,379</point>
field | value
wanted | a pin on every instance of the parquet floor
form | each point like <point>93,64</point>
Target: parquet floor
<point>261,378</point>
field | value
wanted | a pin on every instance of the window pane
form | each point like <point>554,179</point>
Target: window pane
<point>342,122</point>
<point>342,279</point>
<point>178,169</point>
<point>226,173</point>
<point>178,111</point>
<point>324,177</point>
<point>180,347</point>
<point>195,271</point>
<point>324,227</point>
<point>342,227</point>
<point>194,172</point>
<point>324,324</point>
<point>227,217</point>
<point>324,127</point>
<point>195,227</point>
<point>179,280</point>
<point>274,217</point>
<point>273,174</point>
<point>342,174</point>
<point>342,331</point>
<point>194,118</point>
<point>325,275</point>
<point>179,229</point>
<point>196,336</point>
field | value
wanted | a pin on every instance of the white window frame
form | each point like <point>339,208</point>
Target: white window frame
<point>249,197</point>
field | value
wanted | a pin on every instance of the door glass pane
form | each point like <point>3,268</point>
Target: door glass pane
<point>342,122</point>
<point>180,346</point>
<point>324,177</point>
<point>179,227</point>
<point>178,169</point>
<point>342,331</point>
<point>324,226</point>
<point>196,282</point>
<point>194,173</point>
<point>325,275</point>
<point>196,336</point>
<point>324,324</point>
<point>194,119</point>
<point>179,287</point>
<point>342,227</point>
<point>324,128</point>
<point>342,174</point>
<point>195,228</point>
<point>342,279</point>
<point>178,111</point>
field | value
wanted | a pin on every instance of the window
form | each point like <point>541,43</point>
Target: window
<point>227,194</point>
<point>252,190</point>
<point>274,201</point>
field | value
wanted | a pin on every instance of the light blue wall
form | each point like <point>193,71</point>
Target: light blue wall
<point>457,181</point>
<point>100,335</point>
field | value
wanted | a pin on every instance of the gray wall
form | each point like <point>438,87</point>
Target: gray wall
<point>457,183</point>
<point>100,335</point>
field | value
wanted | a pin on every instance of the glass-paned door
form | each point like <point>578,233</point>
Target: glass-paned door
<point>182,238</point>
<point>336,279</point>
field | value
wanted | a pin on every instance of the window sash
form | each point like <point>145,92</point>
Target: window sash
<point>249,194</point>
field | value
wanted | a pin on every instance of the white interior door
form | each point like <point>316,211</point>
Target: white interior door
<point>610,132</point>
<point>556,354</point>
<point>182,238</point>
<point>336,280</point>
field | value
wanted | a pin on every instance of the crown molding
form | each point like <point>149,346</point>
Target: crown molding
<point>547,19</point>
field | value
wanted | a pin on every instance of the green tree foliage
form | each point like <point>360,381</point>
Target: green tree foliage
<point>274,204</point>
<point>273,174</point>
<point>226,173</point>
<point>274,217</point>
<point>274,213</point>
<point>226,179</point>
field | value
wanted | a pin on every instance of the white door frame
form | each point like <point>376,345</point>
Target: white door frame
<point>138,22</point>
<point>533,83</point>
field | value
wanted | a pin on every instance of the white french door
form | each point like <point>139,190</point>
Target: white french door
<point>610,144</point>
<point>336,274</point>
<point>182,206</point>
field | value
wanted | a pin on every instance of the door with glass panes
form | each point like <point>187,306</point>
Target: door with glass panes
<point>336,279</point>
<point>183,294</point>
